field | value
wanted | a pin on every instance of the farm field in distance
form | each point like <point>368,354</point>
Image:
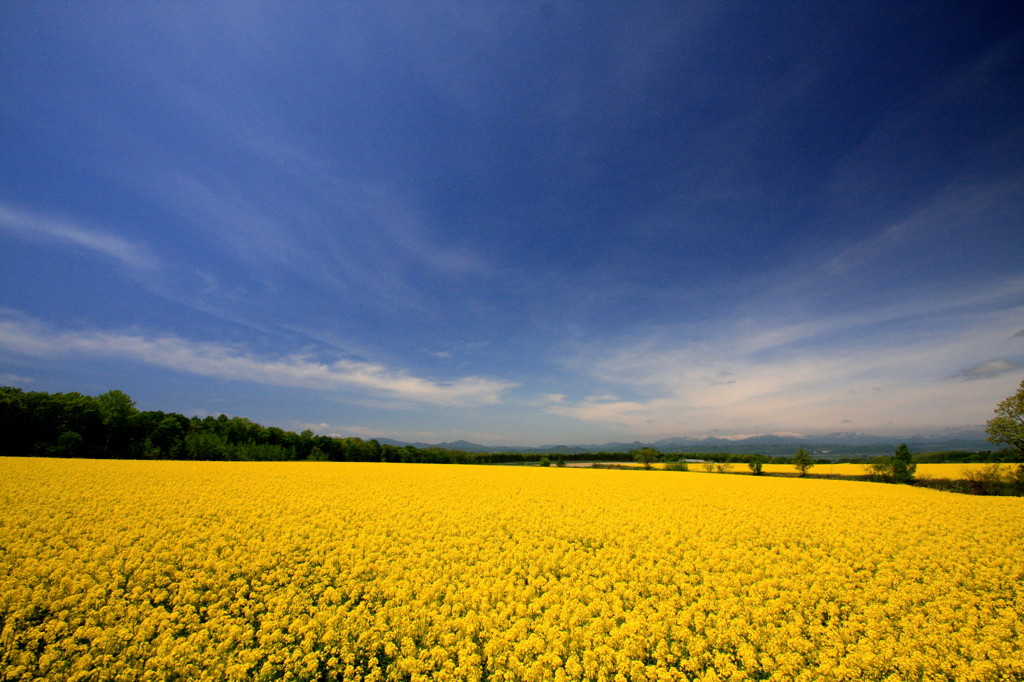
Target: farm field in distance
<point>243,570</point>
<point>953,470</point>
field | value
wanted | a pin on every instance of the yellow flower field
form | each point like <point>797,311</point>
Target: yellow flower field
<point>929,470</point>
<point>164,570</point>
<point>944,470</point>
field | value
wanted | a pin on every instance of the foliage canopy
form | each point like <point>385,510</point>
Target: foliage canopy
<point>1007,427</point>
<point>803,461</point>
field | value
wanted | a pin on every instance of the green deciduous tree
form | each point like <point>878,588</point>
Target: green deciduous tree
<point>117,409</point>
<point>903,465</point>
<point>1007,427</point>
<point>899,468</point>
<point>646,456</point>
<point>205,445</point>
<point>69,444</point>
<point>803,461</point>
<point>756,464</point>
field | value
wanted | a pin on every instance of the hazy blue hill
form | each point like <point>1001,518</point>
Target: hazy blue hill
<point>836,445</point>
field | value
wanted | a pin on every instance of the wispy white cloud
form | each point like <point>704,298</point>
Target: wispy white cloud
<point>408,435</point>
<point>358,431</point>
<point>637,414</point>
<point>30,337</point>
<point>873,373</point>
<point>990,369</point>
<point>227,215</point>
<point>29,224</point>
<point>350,235</point>
<point>323,428</point>
<point>947,212</point>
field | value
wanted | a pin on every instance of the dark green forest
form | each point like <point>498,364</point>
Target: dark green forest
<point>109,426</point>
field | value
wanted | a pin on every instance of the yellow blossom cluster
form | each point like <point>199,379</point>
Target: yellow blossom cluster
<point>353,571</point>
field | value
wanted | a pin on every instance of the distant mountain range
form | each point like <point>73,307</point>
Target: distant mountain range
<point>841,444</point>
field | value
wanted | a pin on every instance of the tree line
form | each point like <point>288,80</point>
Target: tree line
<point>109,426</point>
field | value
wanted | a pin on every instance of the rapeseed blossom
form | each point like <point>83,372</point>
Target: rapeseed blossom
<point>214,570</point>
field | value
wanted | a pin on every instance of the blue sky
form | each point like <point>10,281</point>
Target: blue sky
<point>518,223</point>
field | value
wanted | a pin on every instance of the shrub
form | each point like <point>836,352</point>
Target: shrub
<point>988,480</point>
<point>880,468</point>
<point>1017,479</point>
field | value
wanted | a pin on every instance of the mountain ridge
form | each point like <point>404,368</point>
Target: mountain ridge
<point>839,443</point>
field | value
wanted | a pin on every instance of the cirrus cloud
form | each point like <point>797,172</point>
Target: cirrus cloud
<point>44,226</point>
<point>30,337</point>
<point>763,375</point>
<point>987,370</point>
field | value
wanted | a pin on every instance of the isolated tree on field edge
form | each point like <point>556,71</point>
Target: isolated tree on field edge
<point>903,466</point>
<point>1007,427</point>
<point>802,461</point>
<point>645,456</point>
